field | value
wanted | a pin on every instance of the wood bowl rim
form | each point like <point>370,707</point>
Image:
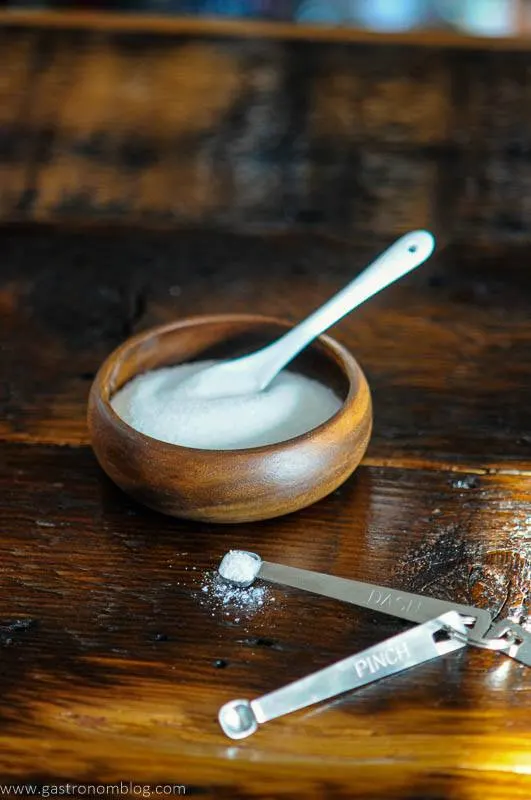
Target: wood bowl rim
<point>341,355</point>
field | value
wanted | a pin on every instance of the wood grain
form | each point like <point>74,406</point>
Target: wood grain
<point>446,351</point>
<point>16,142</point>
<point>114,661</point>
<point>245,131</point>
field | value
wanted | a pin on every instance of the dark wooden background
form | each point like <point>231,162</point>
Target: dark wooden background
<point>114,662</point>
<point>252,131</point>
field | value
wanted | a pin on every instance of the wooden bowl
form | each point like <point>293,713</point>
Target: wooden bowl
<point>229,485</point>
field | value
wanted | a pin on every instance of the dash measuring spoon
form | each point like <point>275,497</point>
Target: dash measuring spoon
<point>404,605</point>
<point>240,718</point>
<point>253,373</point>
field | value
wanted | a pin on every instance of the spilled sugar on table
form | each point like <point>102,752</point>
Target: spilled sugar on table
<point>114,662</point>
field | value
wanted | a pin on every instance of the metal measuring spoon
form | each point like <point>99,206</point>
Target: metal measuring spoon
<point>240,718</point>
<point>404,605</point>
<point>252,373</point>
<point>506,637</point>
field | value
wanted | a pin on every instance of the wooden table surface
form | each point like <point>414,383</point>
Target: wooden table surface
<point>114,662</point>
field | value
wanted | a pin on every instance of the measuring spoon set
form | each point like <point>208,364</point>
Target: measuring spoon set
<point>441,627</point>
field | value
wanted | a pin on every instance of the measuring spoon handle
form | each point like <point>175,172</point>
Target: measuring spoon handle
<point>404,605</point>
<point>240,718</point>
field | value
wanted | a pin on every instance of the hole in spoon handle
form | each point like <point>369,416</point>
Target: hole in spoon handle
<point>408,252</point>
<point>419,244</point>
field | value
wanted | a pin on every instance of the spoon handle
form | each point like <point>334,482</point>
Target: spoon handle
<point>404,605</point>
<point>403,256</point>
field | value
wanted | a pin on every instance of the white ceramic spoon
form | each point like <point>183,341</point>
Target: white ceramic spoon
<point>253,373</point>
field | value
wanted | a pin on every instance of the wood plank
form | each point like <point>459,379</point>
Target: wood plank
<point>151,159</point>
<point>171,25</point>
<point>246,131</point>
<point>238,132</point>
<point>17,141</point>
<point>114,661</point>
<point>446,351</point>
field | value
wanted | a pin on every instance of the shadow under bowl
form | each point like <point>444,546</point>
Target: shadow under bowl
<point>228,486</point>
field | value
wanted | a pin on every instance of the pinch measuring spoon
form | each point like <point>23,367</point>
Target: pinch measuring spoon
<point>404,605</point>
<point>240,718</point>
